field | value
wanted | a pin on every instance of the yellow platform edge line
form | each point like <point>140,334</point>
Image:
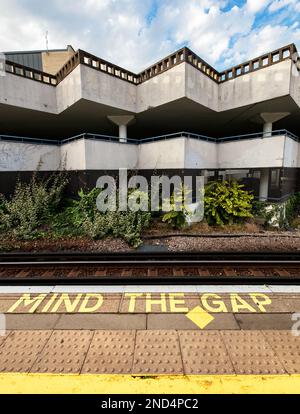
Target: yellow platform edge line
<point>30,383</point>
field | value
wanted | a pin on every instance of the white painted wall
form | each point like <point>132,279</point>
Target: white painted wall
<point>176,153</point>
<point>291,149</point>
<point>69,90</point>
<point>73,155</point>
<point>264,84</point>
<point>27,93</point>
<point>252,153</point>
<point>201,89</point>
<point>295,84</point>
<point>200,154</point>
<point>16,156</point>
<point>108,90</point>
<point>162,154</point>
<point>102,155</point>
<point>163,88</point>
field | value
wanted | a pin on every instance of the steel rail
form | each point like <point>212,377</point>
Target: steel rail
<point>158,263</point>
<point>119,268</point>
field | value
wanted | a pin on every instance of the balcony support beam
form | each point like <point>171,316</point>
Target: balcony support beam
<point>122,121</point>
<point>269,118</point>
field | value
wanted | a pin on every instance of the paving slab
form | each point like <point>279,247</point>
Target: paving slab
<point>263,321</point>
<point>64,353</point>
<point>182,322</point>
<point>102,321</point>
<point>157,352</point>
<point>204,352</point>
<point>250,353</point>
<point>287,348</point>
<point>31,321</point>
<point>110,352</point>
<point>20,350</point>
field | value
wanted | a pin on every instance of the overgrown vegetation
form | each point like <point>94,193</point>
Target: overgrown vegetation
<point>84,215</point>
<point>282,215</point>
<point>292,210</point>
<point>38,208</point>
<point>175,211</point>
<point>32,205</point>
<point>226,203</point>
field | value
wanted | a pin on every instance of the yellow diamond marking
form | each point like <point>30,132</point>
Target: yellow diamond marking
<point>200,317</point>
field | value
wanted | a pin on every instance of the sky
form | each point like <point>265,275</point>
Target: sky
<point>136,33</point>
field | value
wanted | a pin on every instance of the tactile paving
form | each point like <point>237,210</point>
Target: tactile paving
<point>110,352</point>
<point>287,348</point>
<point>20,350</point>
<point>4,337</point>
<point>157,352</point>
<point>204,353</point>
<point>250,353</point>
<point>64,353</point>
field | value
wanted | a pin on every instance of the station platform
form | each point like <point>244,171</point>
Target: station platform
<point>151,339</point>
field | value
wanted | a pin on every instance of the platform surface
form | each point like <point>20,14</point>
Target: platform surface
<point>244,332</point>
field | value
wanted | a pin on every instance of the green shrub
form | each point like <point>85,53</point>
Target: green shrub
<point>278,214</point>
<point>226,203</point>
<point>258,209</point>
<point>292,208</point>
<point>84,215</point>
<point>177,212</point>
<point>32,205</point>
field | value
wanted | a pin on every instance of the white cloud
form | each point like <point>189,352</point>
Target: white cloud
<point>280,4</point>
<point>254,6</point>
<point>261,41</point>
<point>123,32</point>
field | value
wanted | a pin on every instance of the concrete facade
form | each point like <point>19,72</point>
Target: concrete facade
<point>181,81</point>
<point>88,97</point>
<point>177,153</point>
<point>15,156</point>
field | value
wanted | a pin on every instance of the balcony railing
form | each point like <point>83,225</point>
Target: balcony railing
<point>182,55</point>
<point>269,59</point>
<point>107,67</point>
<point>109,138</point>
<point>98,137</point>
<point>29,73</point>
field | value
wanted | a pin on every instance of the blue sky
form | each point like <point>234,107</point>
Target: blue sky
<point>136,33</point>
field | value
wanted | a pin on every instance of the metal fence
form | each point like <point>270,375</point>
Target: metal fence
<point>134,141</point>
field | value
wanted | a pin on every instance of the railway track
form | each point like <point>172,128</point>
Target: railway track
<point>143,268</point>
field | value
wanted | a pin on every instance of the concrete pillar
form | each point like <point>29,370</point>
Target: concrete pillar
<point>122,121</point>
<point>268,127</point>
<point>264,184</point>
<point>123,132</point>
<point>269,118</point>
